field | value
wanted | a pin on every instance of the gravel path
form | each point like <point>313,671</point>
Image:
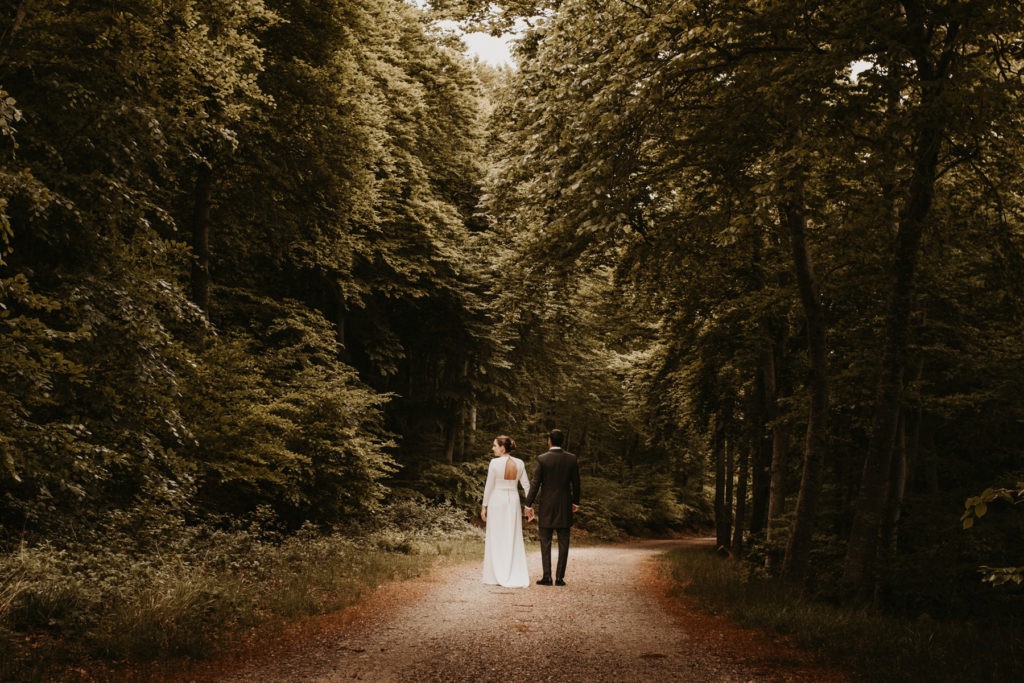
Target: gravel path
<point>613,622</point>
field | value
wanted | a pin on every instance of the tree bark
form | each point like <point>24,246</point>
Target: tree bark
<point>758,461</point>
<point>338,308</point>
<point>462,434</point>
<point>897,490</point>
<point>779,441</point>
<point>912,431</point>
<point>201,237</point>
<point>929,456</point>
<point>340,317</point>
<point>760,483</point>
<point>794,565</point>
<point>777,501</point>
<point>741,503</point>
<point>449,446</point>
<point>584,450</point>
<point>730,479</point>
<point>721,514</point>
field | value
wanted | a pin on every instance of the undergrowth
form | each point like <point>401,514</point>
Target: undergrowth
<point>186,591</point>
<point>869,645</point>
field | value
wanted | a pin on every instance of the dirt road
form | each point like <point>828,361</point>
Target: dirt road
<point>613,622</point>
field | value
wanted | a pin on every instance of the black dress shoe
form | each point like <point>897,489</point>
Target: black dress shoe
<point>543,582</point>
<point>559,582</point>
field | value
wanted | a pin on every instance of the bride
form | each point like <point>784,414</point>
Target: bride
<point>504,551</point>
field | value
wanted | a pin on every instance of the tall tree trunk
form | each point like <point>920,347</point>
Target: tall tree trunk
<point>627,460</point>
<point>340,313</point>
<point>338,307</point>
<point>339,328</point>
<point>757,449</point>
<point>721,510</point>
<point>931,461</point>
<point>450,438</point>
<point>777,500</point>
<point>741,502</point>
<point>780,441</point>
<point>897,490</point>
<point>201,237</point>
<point>862,549</point>
<point>913,446</point>
<point>462,432</point>
<point>730,480</point>
<point>470,434</point>
<point>760,484</point>
<point>913,432</point>
<point>892,510</point>
<point>798,549</point>
<point>584,450</point>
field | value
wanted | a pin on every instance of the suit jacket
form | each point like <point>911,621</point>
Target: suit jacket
<point>558,474</point>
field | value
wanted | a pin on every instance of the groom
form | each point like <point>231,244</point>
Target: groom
<point>558,473</point>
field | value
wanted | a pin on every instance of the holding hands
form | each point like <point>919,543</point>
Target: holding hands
<point>530,516</point>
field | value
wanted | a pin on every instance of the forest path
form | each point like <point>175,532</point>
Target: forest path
<point>613,622</point>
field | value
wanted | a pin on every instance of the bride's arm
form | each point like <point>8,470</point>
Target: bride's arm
<point>489,486</point>
<point>524,480</point>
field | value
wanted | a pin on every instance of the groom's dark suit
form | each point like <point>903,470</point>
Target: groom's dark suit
<point>558,474</point>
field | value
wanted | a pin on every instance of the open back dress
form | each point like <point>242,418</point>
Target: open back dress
<point>504,550</point>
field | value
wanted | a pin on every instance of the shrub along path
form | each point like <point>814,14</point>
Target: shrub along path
<point>614,621</point>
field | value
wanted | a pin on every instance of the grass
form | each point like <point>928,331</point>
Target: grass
<point>62,609</point>
<point>869,645</point>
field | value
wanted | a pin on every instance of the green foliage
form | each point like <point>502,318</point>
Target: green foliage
<point>190,590</point>
<point>460,484</point>
<point>645,502</point>
<point>277,419</point>
<point>375,227</point>
<point>342,146</point>
<point>975,508</point>
<point>394,279</point>
<point>657,142</point>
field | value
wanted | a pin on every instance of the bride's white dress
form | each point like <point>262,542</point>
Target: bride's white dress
<point>504,551</point>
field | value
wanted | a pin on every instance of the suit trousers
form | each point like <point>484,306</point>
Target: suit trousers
<point>545,550</point>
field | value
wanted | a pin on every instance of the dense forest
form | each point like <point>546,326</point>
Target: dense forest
<point>293,265</point>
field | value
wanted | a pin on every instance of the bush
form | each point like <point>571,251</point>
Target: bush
<point>189,592</point>
<point>649,504</point>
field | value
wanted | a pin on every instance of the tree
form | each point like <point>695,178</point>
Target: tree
<point>642,125</point>
<point>937,54</point>
<point>108,100</point>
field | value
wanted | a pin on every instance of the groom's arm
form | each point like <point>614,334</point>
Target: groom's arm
<point>575,482</point>
<point>538,476</point>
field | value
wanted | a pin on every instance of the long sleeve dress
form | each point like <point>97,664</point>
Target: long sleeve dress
<point>504,550</point>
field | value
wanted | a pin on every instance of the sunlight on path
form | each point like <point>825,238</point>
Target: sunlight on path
<point>466,629</point>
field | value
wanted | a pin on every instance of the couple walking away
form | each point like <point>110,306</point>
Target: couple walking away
<point>558,475</point>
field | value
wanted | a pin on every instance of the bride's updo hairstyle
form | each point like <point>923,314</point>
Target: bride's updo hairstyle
<point>506,442</point>
<point>511,468</point>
